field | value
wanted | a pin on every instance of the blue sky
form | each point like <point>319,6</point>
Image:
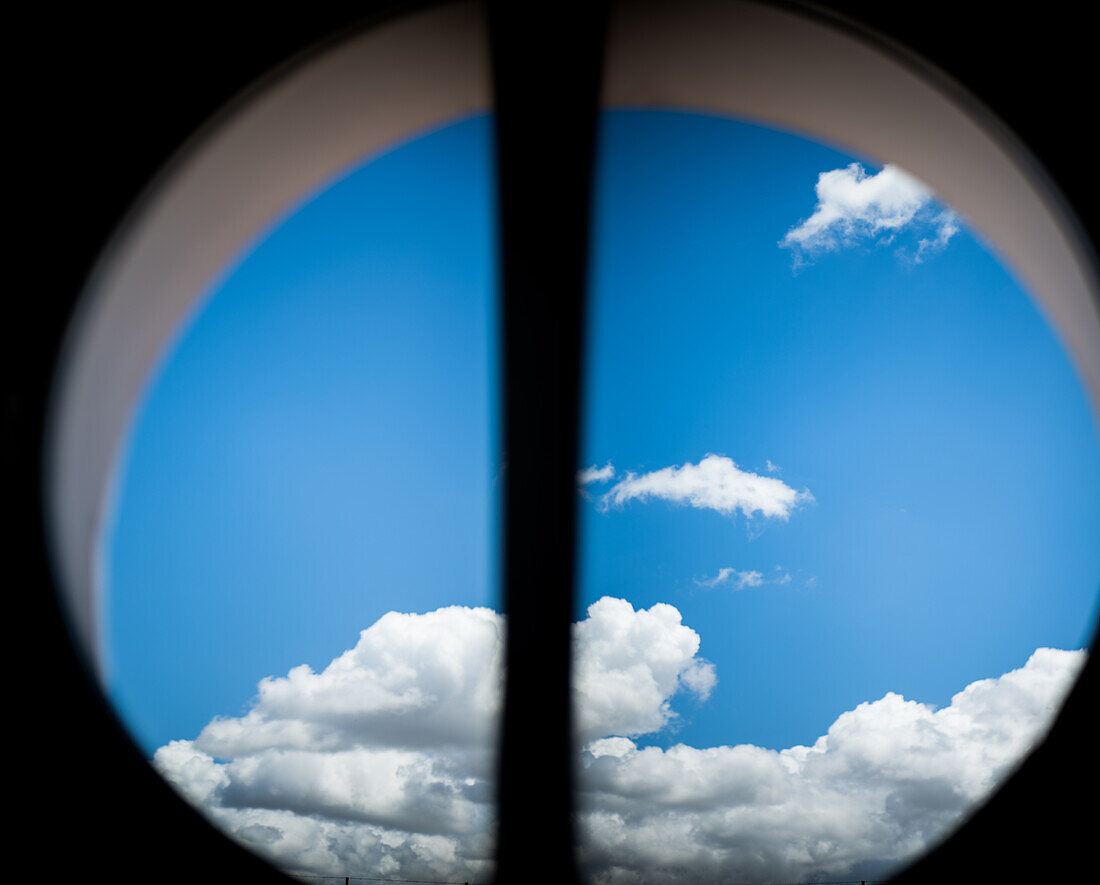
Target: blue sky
<point>317,448</point>
<point>926,406</point>
<point>845,491</point>
<point>907,501</point>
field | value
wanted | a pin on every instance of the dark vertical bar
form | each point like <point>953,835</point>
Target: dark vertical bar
<point>546,70</point>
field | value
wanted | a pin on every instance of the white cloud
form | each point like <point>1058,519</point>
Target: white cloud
<point>629,664</point>
<point>383,761</point>
<point>715,483</point>
<point>946,225</point>
<point>596,474</point>
<point>738,580</point>
<point>411,680</point>
<point>888,779</point>
<point>381,764</point>
<point>772,468</point>
<point>852,205</point>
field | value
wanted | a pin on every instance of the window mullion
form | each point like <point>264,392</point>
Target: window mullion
<point>546,68</point>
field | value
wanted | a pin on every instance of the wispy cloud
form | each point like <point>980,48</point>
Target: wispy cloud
<point>739,580</point>
<point>596,474</point>
<point>715,483</point>
<point>734,578</point>
<point>854,206</point>
<point>946,225</point>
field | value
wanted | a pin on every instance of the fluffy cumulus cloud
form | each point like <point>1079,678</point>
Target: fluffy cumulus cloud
<point>715,483</point>
<point>853,206</point>
<point>381,764</point>
<point>887,779</point>
<point>629,664</point>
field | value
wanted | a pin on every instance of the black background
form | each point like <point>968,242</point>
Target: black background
<point>100,100</point>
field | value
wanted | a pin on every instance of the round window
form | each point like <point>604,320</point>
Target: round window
<point>837,490</point>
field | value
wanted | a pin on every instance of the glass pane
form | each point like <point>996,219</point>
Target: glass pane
<point>840,495</point>
<point>302,631</point>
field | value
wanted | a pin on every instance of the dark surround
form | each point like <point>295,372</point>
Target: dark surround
<point>126,92</point>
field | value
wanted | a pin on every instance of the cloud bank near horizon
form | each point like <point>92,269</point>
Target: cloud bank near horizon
<point>382,763</point>
<point>853,206</point>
